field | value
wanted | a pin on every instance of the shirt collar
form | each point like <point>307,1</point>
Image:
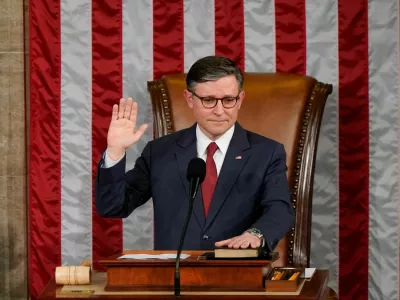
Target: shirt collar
<point>222,142</point>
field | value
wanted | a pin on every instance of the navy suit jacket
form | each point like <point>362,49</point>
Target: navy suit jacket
<point>252,190</point>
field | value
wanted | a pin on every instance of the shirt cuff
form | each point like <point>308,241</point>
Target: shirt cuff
<point>108,162</point>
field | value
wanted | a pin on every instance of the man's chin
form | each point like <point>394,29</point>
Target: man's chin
<point>218,131</point>
<point>219,125</point>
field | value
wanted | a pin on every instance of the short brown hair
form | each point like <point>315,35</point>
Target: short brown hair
<point>212,68</point>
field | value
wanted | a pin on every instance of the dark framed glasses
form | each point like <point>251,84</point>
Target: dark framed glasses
<point>211,102</point>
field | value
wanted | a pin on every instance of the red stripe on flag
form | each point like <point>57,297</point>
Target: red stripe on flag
<point>353,149</point>
<point>168,40</point>
<point>290,28</point>
<point>229,30</point>
<point>106,91</point>
<point>44,153</point>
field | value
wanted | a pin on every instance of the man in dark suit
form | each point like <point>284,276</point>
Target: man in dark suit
<point>244,200</point>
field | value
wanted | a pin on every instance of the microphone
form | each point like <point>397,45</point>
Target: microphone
<point>196,172</point>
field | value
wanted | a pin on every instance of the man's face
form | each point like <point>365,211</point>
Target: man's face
<point>214,122</point>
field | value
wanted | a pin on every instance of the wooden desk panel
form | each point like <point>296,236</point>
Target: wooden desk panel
<point>314,289</point>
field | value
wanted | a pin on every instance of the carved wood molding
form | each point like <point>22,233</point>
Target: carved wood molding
<point>302,185</point>
<point>161,108</point>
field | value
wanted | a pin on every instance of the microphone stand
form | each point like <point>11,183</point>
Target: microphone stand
<point>177,279</point>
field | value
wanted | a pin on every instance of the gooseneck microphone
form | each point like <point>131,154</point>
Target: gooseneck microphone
<point>196,172</point>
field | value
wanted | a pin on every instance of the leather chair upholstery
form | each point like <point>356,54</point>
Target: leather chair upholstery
<point>285,107</point>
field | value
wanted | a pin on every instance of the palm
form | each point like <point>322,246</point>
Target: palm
<point>122,132</point>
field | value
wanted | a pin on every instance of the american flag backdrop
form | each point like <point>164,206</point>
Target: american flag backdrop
<point>86,54</point>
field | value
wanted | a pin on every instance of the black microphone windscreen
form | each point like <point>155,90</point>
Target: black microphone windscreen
<point>196,169</point>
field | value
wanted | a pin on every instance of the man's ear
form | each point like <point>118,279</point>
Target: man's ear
<point>188,98</point>
<point>241,98</point>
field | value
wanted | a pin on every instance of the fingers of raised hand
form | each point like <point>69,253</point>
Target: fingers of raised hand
<point>133,114</point>
<point>114,115</point>
<point>128,108</point>
<point>121,108</point>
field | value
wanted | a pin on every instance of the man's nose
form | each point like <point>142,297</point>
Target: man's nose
<point>219,108</point>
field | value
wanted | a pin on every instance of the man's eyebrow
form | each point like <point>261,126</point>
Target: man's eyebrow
<point>213,96</point>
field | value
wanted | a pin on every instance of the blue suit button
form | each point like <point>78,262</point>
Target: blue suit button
<point>206,237</point>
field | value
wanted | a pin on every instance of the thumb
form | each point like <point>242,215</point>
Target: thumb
<point>141,130</point>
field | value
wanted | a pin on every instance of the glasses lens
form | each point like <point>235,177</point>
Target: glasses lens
<point>209,102</point>
<point>229,102</point>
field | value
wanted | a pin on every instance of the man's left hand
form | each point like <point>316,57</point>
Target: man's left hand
<point>246,240</point>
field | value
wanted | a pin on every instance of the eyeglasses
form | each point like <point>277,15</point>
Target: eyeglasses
<point>211,102</point>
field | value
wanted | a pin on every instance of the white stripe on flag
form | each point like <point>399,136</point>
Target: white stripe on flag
<point>322,63</point>
<point>259,33</point>
<point>76,136</point>
<point>383,113</point>
<point>398,150</point>
<point>137,59</point>
<point>199,30</point>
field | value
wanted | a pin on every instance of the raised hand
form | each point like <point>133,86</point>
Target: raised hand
<point>122,132</point>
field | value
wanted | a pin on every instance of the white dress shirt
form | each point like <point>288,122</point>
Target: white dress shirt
<point>202,143</point>
<point>222,142</point>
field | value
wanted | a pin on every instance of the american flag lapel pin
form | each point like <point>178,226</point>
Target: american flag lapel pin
<point>238,157</point>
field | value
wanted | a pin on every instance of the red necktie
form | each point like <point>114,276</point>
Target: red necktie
<point>208,185</point>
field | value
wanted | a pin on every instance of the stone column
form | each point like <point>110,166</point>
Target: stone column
<point>13,175</point>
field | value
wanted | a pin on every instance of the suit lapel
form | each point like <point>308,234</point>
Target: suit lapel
<point>234,161</point>
<point>186,151</point>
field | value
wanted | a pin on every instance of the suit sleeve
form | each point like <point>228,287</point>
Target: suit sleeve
<point>118,194</point>
<point>276,215</point>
